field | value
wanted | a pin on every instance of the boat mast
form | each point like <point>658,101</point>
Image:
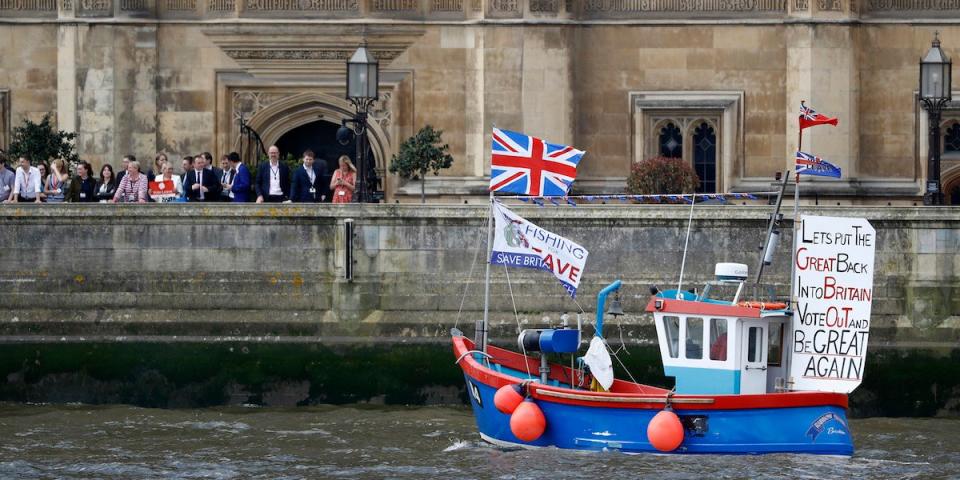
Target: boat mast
<point>481,329</point>
<point>787,359</point>
<point>774,220</point>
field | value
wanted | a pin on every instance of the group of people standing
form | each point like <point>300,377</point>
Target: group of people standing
<point>201,181</point>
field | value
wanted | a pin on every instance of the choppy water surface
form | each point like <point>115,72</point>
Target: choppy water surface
<point>380,442</point>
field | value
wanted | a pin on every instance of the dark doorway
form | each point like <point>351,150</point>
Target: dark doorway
<point>321,137</point>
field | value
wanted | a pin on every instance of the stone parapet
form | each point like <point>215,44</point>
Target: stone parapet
<point>191,271</point>
<point>737,11</point>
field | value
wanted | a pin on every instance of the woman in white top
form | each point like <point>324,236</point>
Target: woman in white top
<point>167,175</point>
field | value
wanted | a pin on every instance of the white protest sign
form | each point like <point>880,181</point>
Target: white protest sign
<point>519,243</point>
<point>834,288</point>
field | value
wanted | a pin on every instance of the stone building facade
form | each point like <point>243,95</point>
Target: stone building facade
<point>718,82</point>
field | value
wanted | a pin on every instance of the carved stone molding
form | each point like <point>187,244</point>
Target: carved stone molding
<point>29,5</point>
<point>828,5</point>
<point>390,6</point>
<point>220,6</point>
<point>504,6</point>
<point>949,8</point>
<point>382,55</point>
<point>308,50</point>
<point>181,5</point>
<point>544,6</point>
<point>134,5</point>
<point>446,6</point>
<point>692,6</point>
<point>96,7</point>
<point>302,5</point>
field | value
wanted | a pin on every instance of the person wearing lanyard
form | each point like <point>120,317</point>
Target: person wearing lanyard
<point>305,187</point>
<point>133,185</point>
<point>343,181</point>
<point>84,187</point>
<point>226,179</point>
<point>107,185</point>
<point>273,179</point>
<point>26,186</point>
<point>57,182</point>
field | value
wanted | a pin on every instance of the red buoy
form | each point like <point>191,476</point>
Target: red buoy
<point>527,422</point>
<point>507,398</point>
<point>665,431</point>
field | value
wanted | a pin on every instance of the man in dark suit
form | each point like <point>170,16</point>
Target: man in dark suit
<point>307,186</point>
<point>273,179</point>
<point>240,184</point>
<point>216,171</point>
<point>201,184</point>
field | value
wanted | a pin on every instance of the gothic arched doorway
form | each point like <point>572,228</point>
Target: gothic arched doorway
<point>320,136</point>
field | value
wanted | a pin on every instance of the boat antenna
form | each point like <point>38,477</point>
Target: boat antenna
<point>769,241</point>
<point>683,263</point>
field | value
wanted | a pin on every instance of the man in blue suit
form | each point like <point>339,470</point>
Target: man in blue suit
<point>240,187</point>
<point>307,185</point>
<point>273,179</point>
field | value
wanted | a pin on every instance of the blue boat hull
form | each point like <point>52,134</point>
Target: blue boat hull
<point>809,429</point>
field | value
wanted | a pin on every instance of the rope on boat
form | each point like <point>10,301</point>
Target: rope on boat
<point>468,352</point>
<point>473,264</point>
<point>516,315</point>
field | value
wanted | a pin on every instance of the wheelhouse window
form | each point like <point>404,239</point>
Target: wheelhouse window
<point>694,342</point>
<point>775,345</point>
<point>718,339</point>
<point>753,344</point>
<point>671,328</point>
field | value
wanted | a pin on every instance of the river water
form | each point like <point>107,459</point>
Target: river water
<point>83,441</point>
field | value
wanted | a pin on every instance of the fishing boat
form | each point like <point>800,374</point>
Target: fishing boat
<point>734,390</point>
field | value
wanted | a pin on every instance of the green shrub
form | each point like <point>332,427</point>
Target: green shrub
<point>40,142</point>
<point>420,154</point>
<point>662,176</point>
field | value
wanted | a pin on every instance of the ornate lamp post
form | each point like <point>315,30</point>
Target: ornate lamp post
<point>935,88</point>
<point>363,73</point>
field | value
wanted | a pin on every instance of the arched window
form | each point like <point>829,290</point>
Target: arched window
<point>671,141</point>
<point>705,157</point>
<point>951,138</point>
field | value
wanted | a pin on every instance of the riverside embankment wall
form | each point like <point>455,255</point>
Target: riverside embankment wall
<point>255,274</point>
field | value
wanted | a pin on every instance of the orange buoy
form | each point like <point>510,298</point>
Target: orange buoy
<point>665,431</point>
<point>507,398</point>
<point>527,422</point>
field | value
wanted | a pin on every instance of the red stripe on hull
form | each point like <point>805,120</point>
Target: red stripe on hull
<point>623,391</point>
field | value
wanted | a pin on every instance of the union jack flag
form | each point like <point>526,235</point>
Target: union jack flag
<point>808,164</point>
<point>810,118</point>
<point>530,166</point>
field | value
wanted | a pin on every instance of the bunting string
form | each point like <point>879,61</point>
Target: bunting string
<point>684,198</point>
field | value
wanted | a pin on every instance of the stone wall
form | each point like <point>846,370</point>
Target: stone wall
<point>197,271</point>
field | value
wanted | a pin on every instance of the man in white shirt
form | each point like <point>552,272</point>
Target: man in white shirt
<point>26,186</point>
<point>273,179</point>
